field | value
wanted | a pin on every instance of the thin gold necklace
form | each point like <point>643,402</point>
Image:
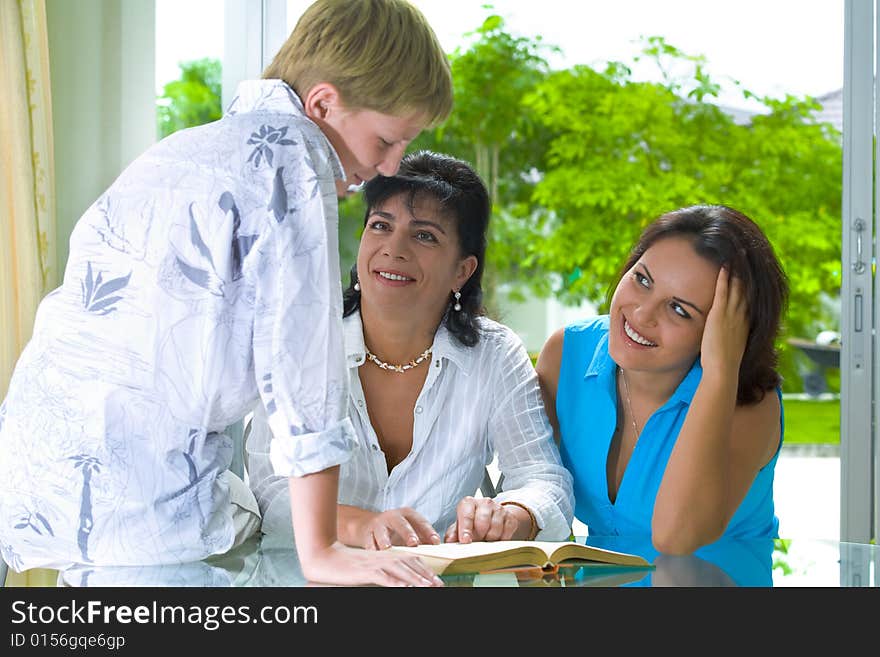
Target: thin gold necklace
<point>391,367</point>
<point>632,415</point>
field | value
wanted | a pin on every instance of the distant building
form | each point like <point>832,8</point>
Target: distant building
<point>831,112</point>
<point>534,320</point>
<point>832,109</point>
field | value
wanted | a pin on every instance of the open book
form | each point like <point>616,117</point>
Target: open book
<point>455,558</point>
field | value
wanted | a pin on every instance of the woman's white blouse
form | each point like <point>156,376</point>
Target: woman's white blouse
<point>477,402</point>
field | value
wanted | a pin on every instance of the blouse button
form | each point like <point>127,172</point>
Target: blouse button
<point>375,448</point>
<point>361,403</point>
<point>418,409</point>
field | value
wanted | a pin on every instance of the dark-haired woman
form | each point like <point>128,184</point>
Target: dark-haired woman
<point>437,390</point>
<point>668,409</point>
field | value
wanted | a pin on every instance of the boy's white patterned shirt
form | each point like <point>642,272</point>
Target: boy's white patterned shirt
<point>205,279</point>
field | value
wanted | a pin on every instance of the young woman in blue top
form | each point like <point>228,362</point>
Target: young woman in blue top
<point>661,406</point>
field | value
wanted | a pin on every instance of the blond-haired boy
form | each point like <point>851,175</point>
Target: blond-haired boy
<point>205,280</point>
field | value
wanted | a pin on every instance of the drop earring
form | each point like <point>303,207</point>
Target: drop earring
<point>357,287</point>
<point>457,306</point>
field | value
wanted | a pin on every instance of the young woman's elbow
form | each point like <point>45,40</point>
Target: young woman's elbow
<point>682,540</point>
<point>672,545</point>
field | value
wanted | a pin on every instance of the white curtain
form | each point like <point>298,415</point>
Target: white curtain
<point>27,192</point>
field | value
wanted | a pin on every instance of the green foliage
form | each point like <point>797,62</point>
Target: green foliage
<point>487,126</point>
<point>193,99</point>
<point>812,422</point>
<point>586,158</point>
<point>489,129</point>
<point>579,160</point>
<point>351,225</point>
<point>781,547</point>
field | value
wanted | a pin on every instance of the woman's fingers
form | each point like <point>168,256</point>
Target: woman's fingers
<point>424,530</point>
<point>498,525</point>
<point>721,287</point>
<point>402,526</point>
<point>403,529</point>
<point>465,519</point>
<point>484,514</point>
<point>490,520</point>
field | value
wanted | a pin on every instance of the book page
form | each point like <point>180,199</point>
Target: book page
<point>476,549</point>
<point>570,550</point>
<point>484,555</point>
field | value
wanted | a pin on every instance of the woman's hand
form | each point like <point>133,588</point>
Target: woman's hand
<point>402,526</point>
<point>484,519</point>
<point>727,327</point>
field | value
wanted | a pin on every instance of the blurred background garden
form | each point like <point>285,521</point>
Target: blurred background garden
<point>578,159</point>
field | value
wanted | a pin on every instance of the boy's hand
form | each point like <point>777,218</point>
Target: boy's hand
<point>339,564</point>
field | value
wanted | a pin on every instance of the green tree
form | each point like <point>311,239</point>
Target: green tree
<point>351,225</point>
<point>586,158</point>
<point>489,129</point>
<point>193,99</point>
<point>627,151</point>
<point>487,126</point>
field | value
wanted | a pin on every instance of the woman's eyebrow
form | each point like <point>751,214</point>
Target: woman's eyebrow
<point>688,303</point>
<point>684,302</point>
<point>431,224</point>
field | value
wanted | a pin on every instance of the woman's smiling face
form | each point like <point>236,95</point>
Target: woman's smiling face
<point>409,259</point>
<point>659,308</point>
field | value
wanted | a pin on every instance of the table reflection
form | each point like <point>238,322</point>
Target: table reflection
<point>726,563</point>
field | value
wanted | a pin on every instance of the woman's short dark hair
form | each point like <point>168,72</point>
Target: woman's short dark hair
<point>728,237</point>
<point>460,194</point>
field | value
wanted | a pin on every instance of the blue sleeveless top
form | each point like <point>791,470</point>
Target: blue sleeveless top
<point>586,406</point>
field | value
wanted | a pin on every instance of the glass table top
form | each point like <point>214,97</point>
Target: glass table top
<point>757,563</point>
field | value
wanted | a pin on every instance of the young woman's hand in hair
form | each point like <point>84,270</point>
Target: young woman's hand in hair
<point>727,327</point>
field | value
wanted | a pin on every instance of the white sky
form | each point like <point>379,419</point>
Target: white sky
<point>772,47</point>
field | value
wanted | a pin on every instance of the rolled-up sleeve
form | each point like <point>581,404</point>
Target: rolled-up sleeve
<point>523,438</point>
<point>299,357</point>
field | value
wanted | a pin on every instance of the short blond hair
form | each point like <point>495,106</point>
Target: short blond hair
<point>381,55</point>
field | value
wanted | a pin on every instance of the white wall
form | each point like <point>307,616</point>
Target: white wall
<point>102,63</point>
<point>534,320</point>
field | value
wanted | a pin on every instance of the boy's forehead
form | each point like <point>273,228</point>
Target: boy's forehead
<point>407,126</point>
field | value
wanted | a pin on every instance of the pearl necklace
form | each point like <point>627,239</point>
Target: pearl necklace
<point>398,368</point>
<point>629,406</point>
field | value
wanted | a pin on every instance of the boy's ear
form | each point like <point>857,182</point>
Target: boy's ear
<point>321,101</point>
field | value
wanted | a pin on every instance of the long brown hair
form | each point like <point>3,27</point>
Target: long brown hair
<point>728,237</point>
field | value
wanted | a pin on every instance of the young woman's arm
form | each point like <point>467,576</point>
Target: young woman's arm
<point>549,361</point>
<point>721,446</point>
